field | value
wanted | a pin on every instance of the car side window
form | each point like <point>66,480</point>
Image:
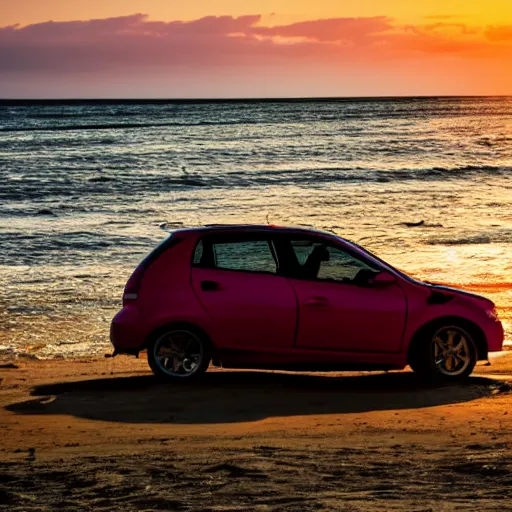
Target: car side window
<point>198,253</point>
<point>242,255</point>
<point>320,261</point>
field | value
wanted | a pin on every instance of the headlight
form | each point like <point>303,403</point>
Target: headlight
<point>493,314</point>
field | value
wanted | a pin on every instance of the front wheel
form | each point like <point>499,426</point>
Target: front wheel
<point>179,353</point>
<point>445,352</point>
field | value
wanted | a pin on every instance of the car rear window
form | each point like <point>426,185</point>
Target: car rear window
<point>163,246</point>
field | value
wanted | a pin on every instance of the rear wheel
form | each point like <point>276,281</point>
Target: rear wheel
<point>444,351</point>
<point>179,353</point>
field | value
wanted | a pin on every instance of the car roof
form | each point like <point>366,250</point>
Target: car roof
<point>255,228</point>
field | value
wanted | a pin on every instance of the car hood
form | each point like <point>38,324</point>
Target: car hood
<point>456,291</point>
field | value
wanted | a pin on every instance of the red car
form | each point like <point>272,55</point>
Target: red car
<point>271,297</point>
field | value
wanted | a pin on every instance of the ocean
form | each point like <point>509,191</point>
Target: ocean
<point>88,188</point>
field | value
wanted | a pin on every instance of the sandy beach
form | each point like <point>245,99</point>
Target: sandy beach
<point>103,434</point>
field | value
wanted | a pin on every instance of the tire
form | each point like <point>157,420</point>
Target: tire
<point>444,351</point>
<point>179,353</point>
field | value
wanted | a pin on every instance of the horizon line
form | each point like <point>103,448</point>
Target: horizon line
<point>246,99</point>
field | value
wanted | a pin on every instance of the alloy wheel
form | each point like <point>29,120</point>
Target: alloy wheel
<point>178,353</point>
<point>451,351</point>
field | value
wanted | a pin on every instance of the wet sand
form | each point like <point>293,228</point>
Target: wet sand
<point>105,435</point>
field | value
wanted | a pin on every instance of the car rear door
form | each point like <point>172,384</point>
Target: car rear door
<point>338,308</point>
<point>235,277</point>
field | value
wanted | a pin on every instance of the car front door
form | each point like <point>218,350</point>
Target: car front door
<point>236,280</point>
<point>339,309</point>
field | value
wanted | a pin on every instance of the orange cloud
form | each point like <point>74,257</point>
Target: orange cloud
<point>441,17</point>
<point>499,33</point>
<point>334,29</point>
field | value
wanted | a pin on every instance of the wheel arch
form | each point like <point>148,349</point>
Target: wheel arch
<point>472,328</point>
<point>191,326</point>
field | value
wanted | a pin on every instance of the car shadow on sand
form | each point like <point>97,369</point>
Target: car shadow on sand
<point>242,396</point>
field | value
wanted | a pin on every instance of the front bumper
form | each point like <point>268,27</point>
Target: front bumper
<point>495,336</point>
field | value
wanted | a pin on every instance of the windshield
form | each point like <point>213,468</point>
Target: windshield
<point>380,260</point>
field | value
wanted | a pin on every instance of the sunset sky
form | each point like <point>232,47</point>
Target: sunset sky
<point>256,48</point>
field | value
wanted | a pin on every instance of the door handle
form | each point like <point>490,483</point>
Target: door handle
<point>210,286</point>
<point>316,301</point>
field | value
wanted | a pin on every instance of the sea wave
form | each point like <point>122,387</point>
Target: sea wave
<point>120,126</point>
<point>128,184</point>
<point>488,237</point>
<point>71,247</point>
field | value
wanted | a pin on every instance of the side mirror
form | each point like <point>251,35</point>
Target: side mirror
<point>382,280</point>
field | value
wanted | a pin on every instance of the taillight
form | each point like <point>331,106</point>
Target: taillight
<point>131,290</point>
